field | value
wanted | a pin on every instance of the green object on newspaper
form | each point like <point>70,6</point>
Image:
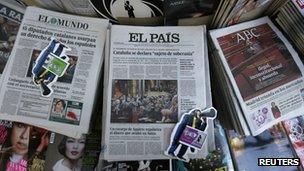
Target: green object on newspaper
<point>56,65</point>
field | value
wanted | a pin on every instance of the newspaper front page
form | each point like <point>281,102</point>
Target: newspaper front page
<point>155,74</point>
<point>265,71</point>
<point>21,99</point>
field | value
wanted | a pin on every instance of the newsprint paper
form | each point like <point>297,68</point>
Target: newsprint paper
<point>265,72</point>
<point>10,20</point>
<point>21,99</point>
<point>154,75</point>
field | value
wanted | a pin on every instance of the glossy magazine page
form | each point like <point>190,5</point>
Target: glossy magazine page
<point>272,143</point>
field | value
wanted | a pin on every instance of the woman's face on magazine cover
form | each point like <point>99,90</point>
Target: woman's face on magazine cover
<point>75,148</point>
<point>20,138</point>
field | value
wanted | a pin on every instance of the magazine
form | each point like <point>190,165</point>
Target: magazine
<point>272,143</point>
<point>22,146</point>
<point>289,18</point>
<point>295,132</point>
<point>236,11</point>
<point>113,10</point>
<point>63,150</point>
<point>264,70</point>
<point>178,12</point>
<point>245,10</point>
<point>68,107</point>
<point>67,153</point>
<point>152,76</point>
<point>141,165</point>
<point>10,19</point>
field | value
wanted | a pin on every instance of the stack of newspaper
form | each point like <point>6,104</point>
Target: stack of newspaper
<point>275,6</point>
<point>79,7</point>
<point>67,106</point>
<point>290,18</point>
<point>152,76</point>
<point>261,75</point>
<point>236,11</point>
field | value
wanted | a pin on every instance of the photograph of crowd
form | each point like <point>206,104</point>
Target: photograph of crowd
<point>144,101</point>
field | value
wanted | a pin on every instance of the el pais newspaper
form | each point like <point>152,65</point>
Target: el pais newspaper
<point>154,75</point>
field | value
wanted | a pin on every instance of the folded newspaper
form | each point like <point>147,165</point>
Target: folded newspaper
<point>68,109</point>
<point>152,76</point>
<point>10,19</point>
<point>264,71</point>
<point>78,7</point>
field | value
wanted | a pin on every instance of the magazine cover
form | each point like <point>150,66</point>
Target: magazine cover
<point>10,20</point>
<point>295,131</point>
<point>300,5</point>
<point>82,153</point>
<point>272,143</point>
<point>111,9</point>
<point>23,146</point>
<point>142,165</point>
<point>178,9</point>
<point>265,71</point>
<point>65,153</point>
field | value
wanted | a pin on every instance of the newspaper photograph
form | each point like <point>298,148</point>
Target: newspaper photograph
<point>52,77</point>
<point>265,71</point>
<point>10,20</point>
<point>154,76</point>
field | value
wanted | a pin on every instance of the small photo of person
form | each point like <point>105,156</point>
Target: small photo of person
<point>69,73</point>
<point>58,108</point>
<point>35,55</point>
<point>275,110</point>
<point>71,150</point>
